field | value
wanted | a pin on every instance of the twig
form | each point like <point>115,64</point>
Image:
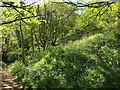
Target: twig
<point>16,20</point>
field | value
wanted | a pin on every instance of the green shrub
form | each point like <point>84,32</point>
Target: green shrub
<point>58,68</point>
<point>3,64</point>
<point>13,56</point>
<point>43,75</point>
<point>88,63</point>
<point>104,50</point>
<point>17,68</point>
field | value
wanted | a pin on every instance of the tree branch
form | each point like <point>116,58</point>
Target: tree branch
<point>9,5</point>
<point>91,5</point>
<point>3,23</point>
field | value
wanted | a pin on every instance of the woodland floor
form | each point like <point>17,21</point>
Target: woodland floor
<point>9,82</point>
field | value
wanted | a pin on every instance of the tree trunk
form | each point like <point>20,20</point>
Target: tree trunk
<point>32,40</point>
<point>37,41</point>
<point>22,44</point>
<point>118,37</point>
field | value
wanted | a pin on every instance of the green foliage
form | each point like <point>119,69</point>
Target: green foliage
<point>62,48</point>
<point>102,53</point>
<point>89,63</point>
<point>22,38</point>
<point>3,65</point>
<point>12,56</point>
<point>17,69</point>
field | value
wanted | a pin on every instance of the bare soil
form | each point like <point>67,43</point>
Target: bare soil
<point>10,82</point>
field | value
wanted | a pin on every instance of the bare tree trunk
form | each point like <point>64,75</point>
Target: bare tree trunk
<point>22,44</point>
<point>32,40</point>
<point>118,16</point>
<point>37,42</point>
<point>118,37</point>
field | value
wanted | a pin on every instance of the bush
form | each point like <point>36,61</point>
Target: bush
<point>12,56</point>
<point>89,63</point>
<point>58,68</point>
<point>3,64</point>
<point>104,50</point>
<point>17,69</point>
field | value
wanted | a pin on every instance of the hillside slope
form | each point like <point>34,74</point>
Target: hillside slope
<point>88,63</point>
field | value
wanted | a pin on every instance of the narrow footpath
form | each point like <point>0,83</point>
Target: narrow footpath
<point>9,82</point>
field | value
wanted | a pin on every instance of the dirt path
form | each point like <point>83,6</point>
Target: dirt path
<point>9,82</point>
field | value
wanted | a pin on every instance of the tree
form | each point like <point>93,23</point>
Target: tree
<point>26,8</point>
<point>40,32</point>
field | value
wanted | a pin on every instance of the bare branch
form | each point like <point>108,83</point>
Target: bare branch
<point>7,4</point>
<point>71,12</point>
<point>91,5</point>
<point>3,23</point>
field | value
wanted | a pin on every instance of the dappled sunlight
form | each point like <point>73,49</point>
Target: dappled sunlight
<point>52,45</point>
